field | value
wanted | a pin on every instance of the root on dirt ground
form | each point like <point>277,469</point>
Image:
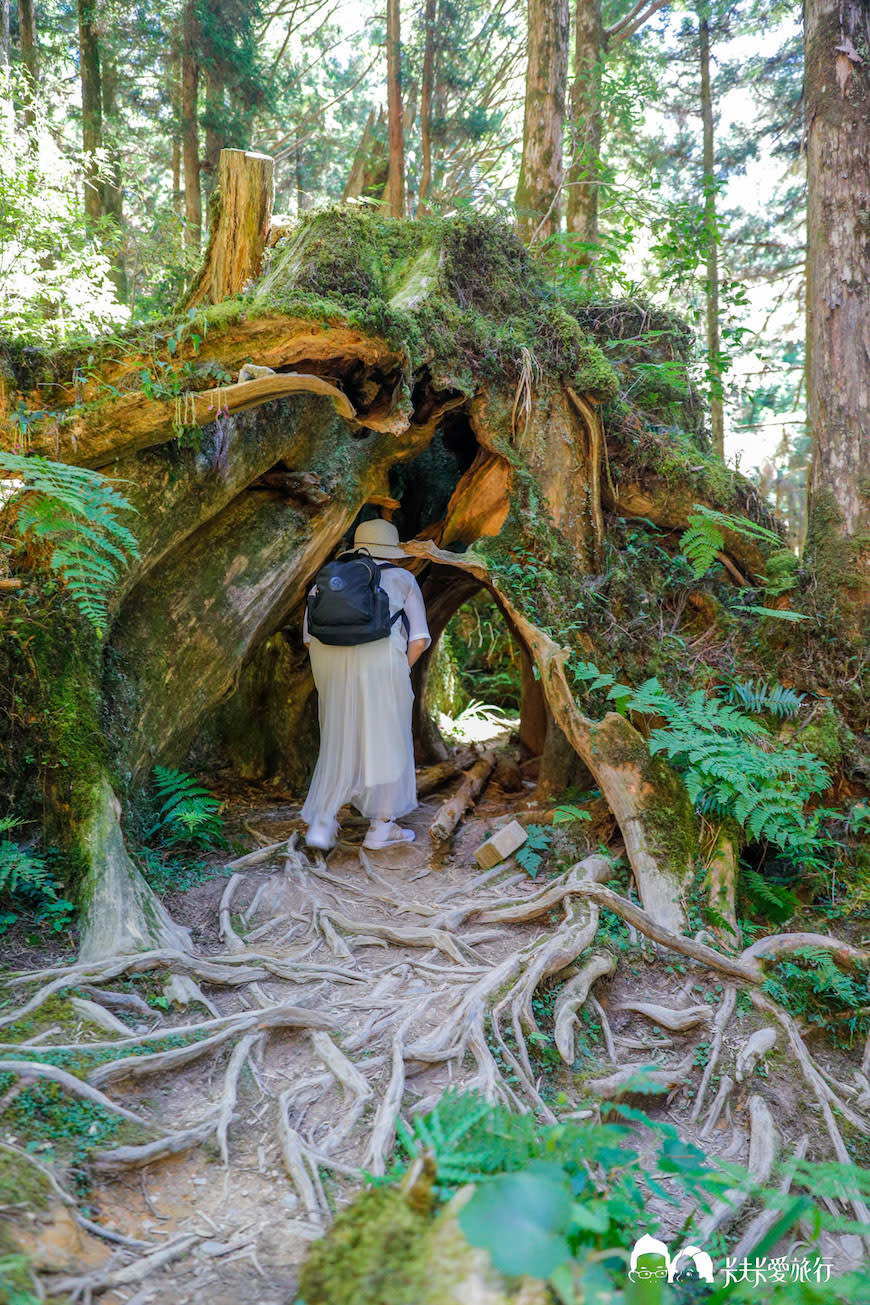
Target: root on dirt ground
<point>345,991</point>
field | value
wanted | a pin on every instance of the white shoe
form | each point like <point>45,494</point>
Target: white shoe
<point>385,833</point>
<point>321,834</point>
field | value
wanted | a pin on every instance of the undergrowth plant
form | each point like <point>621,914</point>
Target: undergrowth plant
<point>187,813</point>
<point>77,513</point>
<point>732,764</point>
<point>567,1202</point>
<point>26,883</point>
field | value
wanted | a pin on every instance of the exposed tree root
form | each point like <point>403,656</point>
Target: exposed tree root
<point>95,1284</point>
<point>763,1146</point>
<point>572,997</point>
<point>434,1002</point>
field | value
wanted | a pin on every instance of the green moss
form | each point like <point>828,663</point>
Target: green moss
<point>827,736</point>
<point>670,819</point>
<point>371,1256</point>
<point>459,295</point>
<point>22,1183</point>
<point>51,742</point>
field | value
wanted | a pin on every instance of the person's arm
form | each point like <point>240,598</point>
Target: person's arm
<point>418,630</point>
<point>416,648</point>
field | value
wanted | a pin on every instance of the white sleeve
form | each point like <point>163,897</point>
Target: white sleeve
<point>415,611</point>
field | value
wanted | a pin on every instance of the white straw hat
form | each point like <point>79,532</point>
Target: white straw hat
<point>379,537</point>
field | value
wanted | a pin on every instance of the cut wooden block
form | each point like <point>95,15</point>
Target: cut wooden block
<point>502,844</point>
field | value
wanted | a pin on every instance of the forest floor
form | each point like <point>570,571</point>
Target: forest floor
<point>378,945</point>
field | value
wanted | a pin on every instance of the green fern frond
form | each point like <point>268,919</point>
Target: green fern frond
<point>76,512</point>
<point>186,812</point>
<point>704,537</point>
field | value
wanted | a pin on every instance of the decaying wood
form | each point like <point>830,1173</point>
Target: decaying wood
<point>435,777</point>
<point>622,781</point>
<point>451,812</point>
<point>241,216</point>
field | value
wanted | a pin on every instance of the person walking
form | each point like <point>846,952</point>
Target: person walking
<point>365,698</point>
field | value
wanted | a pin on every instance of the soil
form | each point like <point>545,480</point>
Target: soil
<point>250,1219</point>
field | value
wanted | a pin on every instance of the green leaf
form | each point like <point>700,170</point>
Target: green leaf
<point>521,1220</point>
<point>565,814</point>
<point>776,613</point>
<point>590,1218</point>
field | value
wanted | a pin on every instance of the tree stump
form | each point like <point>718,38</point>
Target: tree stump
<point>241,212</point>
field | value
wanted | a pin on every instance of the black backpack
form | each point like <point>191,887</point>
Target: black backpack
<point>348,605</point>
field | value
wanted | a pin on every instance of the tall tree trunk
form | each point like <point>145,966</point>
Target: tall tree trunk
<point>427,82</point>
<point>173,90</point>
<point>190,126</point>
<point>837,99</point>
<point>215,135</point>
<point>92,105</point>
<point>113,190</point>
<point>5,58</point>
<point>29,56</point>
<point>394,102</point>
<point>714,372</point>
<point>581,213</point>
<point>537,198</point>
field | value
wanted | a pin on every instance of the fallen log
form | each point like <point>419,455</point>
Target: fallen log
<point>451,812</point>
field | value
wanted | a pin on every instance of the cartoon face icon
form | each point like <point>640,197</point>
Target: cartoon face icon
<point>649,1259</point>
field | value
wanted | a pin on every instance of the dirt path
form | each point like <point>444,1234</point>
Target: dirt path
<point>423,973</point>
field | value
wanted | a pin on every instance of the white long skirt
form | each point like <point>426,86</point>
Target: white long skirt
<point>366,747</point>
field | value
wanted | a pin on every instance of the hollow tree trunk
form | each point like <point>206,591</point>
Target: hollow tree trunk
<point>540,183</point>
<point>370,170</point>
<point>837,97</point>
<point>232,532</point>
<point>92,106</point>
<point>711,235</point>
<point>581,210</point>
<point>190,125</point>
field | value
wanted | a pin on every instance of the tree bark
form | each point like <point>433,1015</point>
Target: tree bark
<point>394,101</point>
<point>427,82</point>
<point>5,55</point>
<point>540,183</point>
<point>215,135</point>
<point>581,214</point>
<point>837,98</point>
<point>113,189</point>
<point>190,126</point>
<point>711,232</point>
<point>241,213</point>
<point>29,54</point>
<point>92,106</point>
<point>370,170</point>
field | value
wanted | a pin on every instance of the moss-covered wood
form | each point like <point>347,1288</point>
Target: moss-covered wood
<point>457,385</point>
